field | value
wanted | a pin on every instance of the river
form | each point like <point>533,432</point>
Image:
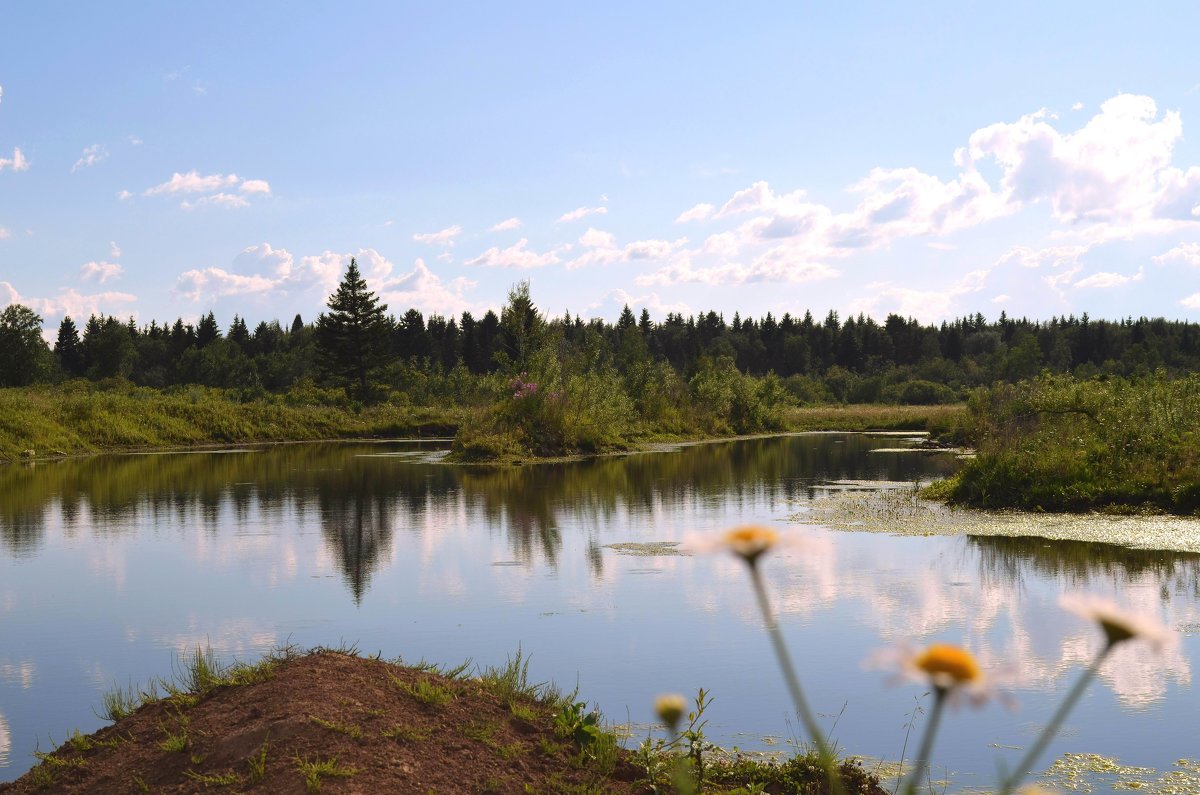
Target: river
<point>113,566</point>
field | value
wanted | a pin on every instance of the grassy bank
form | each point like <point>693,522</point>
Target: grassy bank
<point>332,719</point>
<point>1058,443</point>
<point>80,417</point>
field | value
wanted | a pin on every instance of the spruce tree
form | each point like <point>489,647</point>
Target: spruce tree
<point>68,348</point>
<point>352,338</point>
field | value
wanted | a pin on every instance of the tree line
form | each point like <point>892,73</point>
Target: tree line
<point>357,347</point>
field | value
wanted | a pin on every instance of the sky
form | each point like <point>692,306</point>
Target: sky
<point>935,160</point>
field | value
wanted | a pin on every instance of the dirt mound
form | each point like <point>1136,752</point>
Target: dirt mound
<point>331,721</point>
<point>334,722</point>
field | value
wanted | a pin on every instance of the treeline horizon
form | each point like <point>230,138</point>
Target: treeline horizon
<point>830,360</point>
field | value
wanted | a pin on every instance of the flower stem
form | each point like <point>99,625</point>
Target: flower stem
<point>926,750</point>
<point>793,683</point>
<point>1039,746</point>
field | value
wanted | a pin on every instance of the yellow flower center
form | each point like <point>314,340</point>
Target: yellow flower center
<point>750,541</point>
<point>945,662</point>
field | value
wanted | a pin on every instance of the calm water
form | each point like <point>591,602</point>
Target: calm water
<point>111,567</point>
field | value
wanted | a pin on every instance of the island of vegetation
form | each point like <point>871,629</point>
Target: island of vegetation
<point>1066,414</point>
<point>336,721</point>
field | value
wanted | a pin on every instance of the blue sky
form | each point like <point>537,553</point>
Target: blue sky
<point>935,160</point>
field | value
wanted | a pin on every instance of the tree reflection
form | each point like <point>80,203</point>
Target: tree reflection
<point>365,493</point>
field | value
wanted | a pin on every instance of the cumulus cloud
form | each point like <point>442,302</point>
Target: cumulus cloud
<point>228,200</point>
<point>442,237</point>
<point>192,182</point>
<point>518,256</point>
<point>215,185</point>
<point>700,212</point>
<point>15,163</point>
<point>1105,280</point>
<point>1187,253</point>
<point>69,302</point>
<point>4,233</point>
<point>506,225</point>
<point>124,194</point>
<point>276,262</point>
<point>424,290</point>
<point>91,156</point>
<point>255,186</point>
<point>114,250</point>
<point>926,306</point>
<point>1192,301</point>
<point>210,283</point>
<point>1108,179</point>
<point>602,249</point>
<point>582,212</point>
<point>100,271</point>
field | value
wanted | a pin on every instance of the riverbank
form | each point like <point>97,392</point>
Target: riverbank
<point>1062,444</point>
<point>81,418</point>
<point>332,719</point>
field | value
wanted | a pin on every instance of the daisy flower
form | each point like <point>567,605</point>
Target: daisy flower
<point>1118,623</point>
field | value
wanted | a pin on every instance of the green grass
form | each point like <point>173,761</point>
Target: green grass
<point>313,770</point>
<point>1057,443</point>
<point>353,732</point>
<point>224,780</point>
<point>406,734</point>
<point>81,417</point>
<point>257,764</point>
<point>426,691</point>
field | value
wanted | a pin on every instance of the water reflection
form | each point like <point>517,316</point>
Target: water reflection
<point>110,566</point>
<point>364,498</point>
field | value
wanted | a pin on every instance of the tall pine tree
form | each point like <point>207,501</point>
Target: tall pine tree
<point>352,338</point>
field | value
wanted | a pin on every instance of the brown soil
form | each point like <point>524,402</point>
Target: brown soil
<point>376,727</point>
<point>310,710</point>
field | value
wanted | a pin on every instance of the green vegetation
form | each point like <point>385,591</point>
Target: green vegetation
<point>81,417</point>
<point>521,384</point>
<point>313,770</point>
<point>1058,443</point>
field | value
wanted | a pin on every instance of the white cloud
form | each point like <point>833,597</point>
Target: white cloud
<point>213,184</point>
<point>1192,301</point>
<point>506,225</point>
<point>602,249</point>
<point>424,290</point>
<point>1000,299</point>
<point>217,282</point>
<point>4,233</point>
<point>114,250</point>
<point>582,212</point>
<point>1,93</point>
<point>227,200</point>
<point>1105,280</point>
<point>698,213</point>
<point>936,246</point>
<point>1077,106</point>
<point>16,163</point>
<point>134,140</point>
<point>1111,178</point>
<point>517,256</point>
<point>278,262</point>
<point>255,186</point>
<point>91,156</point>
<point>1187,253</point>
<point>443,237</point>
<point>594,238</point>
<point>926,306</point>
<point>69,302</point>
<point>123,195</point>
<point>100,271</point>
<point>192,182</point>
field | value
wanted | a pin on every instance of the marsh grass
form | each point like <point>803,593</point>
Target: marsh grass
<point>82,417</point>
<point>1057,443</point>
